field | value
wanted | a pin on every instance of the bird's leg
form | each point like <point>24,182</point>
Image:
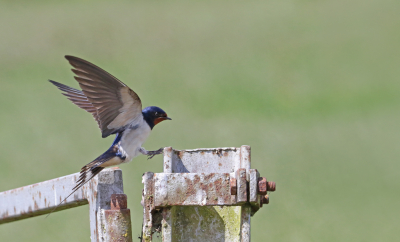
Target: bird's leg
<point>151,153</point>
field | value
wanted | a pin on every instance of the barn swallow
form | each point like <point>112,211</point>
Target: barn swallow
<point>117,110</point>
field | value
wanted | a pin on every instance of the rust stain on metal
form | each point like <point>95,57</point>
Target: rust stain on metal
<point>180,153</point>
<point>190,188</point>
<point>118,201</point>
<point>233,186</point>
<point>202,189</point>
<point>118,225</point>
<point>209,176</point>
<point>36,205</point>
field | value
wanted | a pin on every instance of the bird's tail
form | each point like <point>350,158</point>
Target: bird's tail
<point>86,174</point>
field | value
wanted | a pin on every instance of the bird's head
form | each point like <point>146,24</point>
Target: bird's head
<point>154,115</point>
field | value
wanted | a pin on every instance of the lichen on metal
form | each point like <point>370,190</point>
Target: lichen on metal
<point>207,223</point>
<point>183,198</point>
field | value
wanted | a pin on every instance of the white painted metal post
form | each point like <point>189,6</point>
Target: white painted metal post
<point>228,223</point>
<point>203,195</point>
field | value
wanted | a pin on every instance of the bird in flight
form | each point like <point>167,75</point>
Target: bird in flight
<point>117,110</point>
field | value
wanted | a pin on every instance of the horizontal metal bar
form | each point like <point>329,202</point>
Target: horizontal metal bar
<point>189,189</point>
<point>42,198</point>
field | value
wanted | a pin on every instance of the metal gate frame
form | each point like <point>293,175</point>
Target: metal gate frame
<point>203,195</point>
<point>109,217</point>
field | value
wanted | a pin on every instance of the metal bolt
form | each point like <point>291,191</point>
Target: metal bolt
<point>233,186</point>
<point>119,201</point>
<point>117,222</point>
<point>262,186</point>
<point>271,186</point>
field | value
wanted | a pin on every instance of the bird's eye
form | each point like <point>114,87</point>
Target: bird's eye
<point>156,113</point>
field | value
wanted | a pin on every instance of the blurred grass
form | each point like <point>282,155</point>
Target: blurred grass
<point>312,86</point>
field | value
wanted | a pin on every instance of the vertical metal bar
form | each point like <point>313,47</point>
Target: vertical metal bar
<point>241,197</point>
<point>118,220</point>
<point>245,224</point>
<point>148,205</point>
<point>168,154</point>
<point>208,223</point>
<point>245,159</point>
<point>245,162</point>
<point>108,182</point>
<point>166,225</point>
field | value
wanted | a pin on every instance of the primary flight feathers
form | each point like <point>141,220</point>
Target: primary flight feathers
<point>112,104</point>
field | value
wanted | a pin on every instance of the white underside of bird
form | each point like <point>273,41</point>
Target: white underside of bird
<point>130,144</point>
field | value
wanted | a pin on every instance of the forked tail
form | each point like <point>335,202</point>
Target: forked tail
<point>87,173</point>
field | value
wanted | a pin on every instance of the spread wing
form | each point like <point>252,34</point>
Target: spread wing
<point>113,104</point>
<point>78,98</point>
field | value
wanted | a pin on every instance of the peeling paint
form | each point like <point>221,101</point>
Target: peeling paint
<point>44,196</point>
<point>193,181</point>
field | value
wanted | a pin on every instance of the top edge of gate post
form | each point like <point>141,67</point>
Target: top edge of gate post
<point>207,160</point>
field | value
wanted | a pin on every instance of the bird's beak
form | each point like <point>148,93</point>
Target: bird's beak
<point>168,118</point>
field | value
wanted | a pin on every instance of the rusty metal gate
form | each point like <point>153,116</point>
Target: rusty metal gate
<point>203,195</point>
<point>109,217</point>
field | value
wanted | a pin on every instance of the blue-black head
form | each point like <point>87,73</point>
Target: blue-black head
<point>154,115</point>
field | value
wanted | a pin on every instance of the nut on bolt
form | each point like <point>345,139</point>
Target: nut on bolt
<point>119,201</point>
<point>265,199</point>
<point>262,186</point>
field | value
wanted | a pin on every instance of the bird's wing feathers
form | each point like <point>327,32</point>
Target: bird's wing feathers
<point>78,98</point>
<point>116,104</point>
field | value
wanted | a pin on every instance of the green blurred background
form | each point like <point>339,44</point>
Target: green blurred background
<point>312,86</point>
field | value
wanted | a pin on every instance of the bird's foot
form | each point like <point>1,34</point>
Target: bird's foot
<point>151,154</point>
